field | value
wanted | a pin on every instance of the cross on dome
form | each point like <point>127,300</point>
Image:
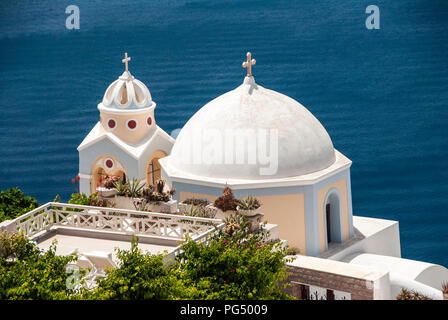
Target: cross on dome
<point>248,64</point>
<point>125,60</point>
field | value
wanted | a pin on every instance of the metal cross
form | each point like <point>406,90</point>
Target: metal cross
<point>248,64</point>
<point>125,60</point>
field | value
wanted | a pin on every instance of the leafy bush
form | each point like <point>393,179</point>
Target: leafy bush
<point>28,273</point>
<point>235,266</point>
<point>89,200</point>
<point>138,276</point>
<point>14,203</point>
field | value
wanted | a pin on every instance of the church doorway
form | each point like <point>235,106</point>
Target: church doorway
<point>333,217</point>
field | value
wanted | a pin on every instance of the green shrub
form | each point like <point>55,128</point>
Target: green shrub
<point>14,203</point>
<point>139,276</point>
<point>28,273</point>
<point>236,266</point>
<point>89,200</point>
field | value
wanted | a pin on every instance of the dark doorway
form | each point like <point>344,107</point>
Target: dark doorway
<point>328,214</point>
<point>304,292</point>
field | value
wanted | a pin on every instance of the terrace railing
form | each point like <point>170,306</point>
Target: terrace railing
<point>170,226</point>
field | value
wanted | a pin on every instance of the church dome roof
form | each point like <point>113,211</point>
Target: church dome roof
<point>303,145</point>
<point>127,93</point>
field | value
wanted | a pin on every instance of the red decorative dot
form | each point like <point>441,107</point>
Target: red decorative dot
<point>111,123</point>
<point>109,163</point>
<point>132,124</point>
<point>149,121</point>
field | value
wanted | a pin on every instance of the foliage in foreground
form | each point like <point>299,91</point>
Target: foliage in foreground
<point>14,203</point>
<point>139,276</point>
<point>234,265</point>
<point>28,273</point>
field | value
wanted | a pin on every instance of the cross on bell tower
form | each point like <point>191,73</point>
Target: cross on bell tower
<point>248,64</point>
<point>125,60</point>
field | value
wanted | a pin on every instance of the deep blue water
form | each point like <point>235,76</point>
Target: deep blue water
<point>381,94</point>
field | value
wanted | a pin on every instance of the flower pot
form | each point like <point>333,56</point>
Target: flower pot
<point>221,214</point>
<point>254,221</point>
<point>105,192</point>
<point>163,207</point>
<point>123,202</point>
<point>183,207</point>
<point>248,213</point>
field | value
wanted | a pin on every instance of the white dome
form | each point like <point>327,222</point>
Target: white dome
<point>304,145</point>
<point>127,93</point>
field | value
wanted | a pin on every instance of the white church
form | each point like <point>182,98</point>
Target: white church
<point>262,143</point>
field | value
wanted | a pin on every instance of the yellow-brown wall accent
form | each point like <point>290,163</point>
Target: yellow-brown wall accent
<point>288,211</point>
<point>341,186</point>
<point>122,131</point>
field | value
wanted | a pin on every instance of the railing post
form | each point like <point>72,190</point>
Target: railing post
<point>181,226</point>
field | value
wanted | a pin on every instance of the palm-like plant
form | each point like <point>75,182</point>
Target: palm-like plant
<point>192,211</point>
<point>134,188</point>
<point>121,187</point>
<point>199,211</point>
<point>249,203</point>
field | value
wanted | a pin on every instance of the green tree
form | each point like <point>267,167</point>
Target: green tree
<point>14,203</point>
<point>235,265</point>
<point>26,272</point>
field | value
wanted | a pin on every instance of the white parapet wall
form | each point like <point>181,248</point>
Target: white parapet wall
<point>372,235</point>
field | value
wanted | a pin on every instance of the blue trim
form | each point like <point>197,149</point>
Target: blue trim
<point>312,232</point>
<point>311,223</point>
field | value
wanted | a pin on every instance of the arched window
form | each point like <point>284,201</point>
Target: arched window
<point>153,168</point>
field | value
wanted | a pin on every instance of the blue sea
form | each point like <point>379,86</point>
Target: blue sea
<point>381,94</point>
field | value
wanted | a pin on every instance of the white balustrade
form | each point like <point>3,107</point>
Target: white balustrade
<point>111,219</point>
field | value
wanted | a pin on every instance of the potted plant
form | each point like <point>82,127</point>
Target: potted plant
<point>226,204</point>
<point>107,188</point>
<point>248,206</point>
<point>156,199</point>
<point>192,202</point>
<point>127,192</point>
<point>198,211</point>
